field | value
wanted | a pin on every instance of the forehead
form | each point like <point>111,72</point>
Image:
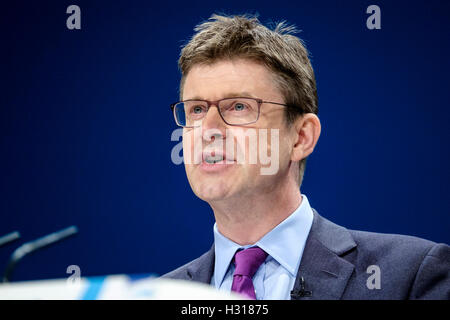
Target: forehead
<point>224,77</point>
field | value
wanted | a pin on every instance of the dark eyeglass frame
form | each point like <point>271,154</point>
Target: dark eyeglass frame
<point>216,104</point>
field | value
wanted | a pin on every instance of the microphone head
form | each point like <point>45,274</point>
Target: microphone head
<point>8,238</point>
<point>34,246</point>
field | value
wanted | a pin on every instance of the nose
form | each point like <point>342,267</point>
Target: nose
<point>213,123</point>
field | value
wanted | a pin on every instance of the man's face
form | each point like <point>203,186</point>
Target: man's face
<point>232,179</point>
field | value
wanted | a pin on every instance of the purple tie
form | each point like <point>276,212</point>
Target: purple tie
<point>247,263</point>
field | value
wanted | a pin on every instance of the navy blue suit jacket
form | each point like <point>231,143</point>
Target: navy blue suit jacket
<point>336,260</point>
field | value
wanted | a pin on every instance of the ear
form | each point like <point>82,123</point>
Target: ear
<point>307,131</point>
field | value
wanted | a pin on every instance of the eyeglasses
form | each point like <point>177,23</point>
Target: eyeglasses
<point>233,111</point>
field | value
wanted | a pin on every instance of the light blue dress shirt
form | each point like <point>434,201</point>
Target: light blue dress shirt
<point>284,244</point>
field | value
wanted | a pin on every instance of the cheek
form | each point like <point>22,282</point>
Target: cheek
<point>285,152</point>
<point>187,141</point>
<point>257,146</point>
<point>191,147</point>
<point>275,151</point>
<point>242,144</point>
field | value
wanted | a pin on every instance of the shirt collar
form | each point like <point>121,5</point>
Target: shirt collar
<point>284,243</point>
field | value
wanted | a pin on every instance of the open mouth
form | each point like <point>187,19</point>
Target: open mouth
<point>213,159</point>
<point>215,162</point>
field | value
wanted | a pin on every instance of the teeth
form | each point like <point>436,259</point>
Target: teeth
<point>215,159</point>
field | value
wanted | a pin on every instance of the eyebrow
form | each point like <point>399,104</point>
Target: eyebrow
<point>243,94</point>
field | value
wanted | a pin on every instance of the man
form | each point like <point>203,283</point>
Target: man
<point>240,82</point>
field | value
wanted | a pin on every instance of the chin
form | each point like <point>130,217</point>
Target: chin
<point>213,190</point>
<point>212,193</point>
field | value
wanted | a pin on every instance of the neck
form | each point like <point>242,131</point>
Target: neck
<point>247,220</point>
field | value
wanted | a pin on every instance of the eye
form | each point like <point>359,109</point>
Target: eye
<point>197,110</point>
<point>239,106</point>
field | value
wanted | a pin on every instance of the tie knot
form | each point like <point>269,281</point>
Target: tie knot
<point>248,261</point>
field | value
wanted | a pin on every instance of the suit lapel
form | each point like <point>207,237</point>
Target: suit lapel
<point>323,273</point>
<point>201,270</point>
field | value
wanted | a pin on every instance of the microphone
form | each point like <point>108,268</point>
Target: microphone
<point>297,294</point>
<point>34,246</point>
<point>10,237</point>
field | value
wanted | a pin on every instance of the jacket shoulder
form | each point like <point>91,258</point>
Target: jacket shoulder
<point>398,255</point>
<point>392,245</point>
<point>188,271</point>
<point>410,267</point>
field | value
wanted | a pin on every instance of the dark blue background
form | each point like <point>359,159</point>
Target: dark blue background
<point>85,126</point>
